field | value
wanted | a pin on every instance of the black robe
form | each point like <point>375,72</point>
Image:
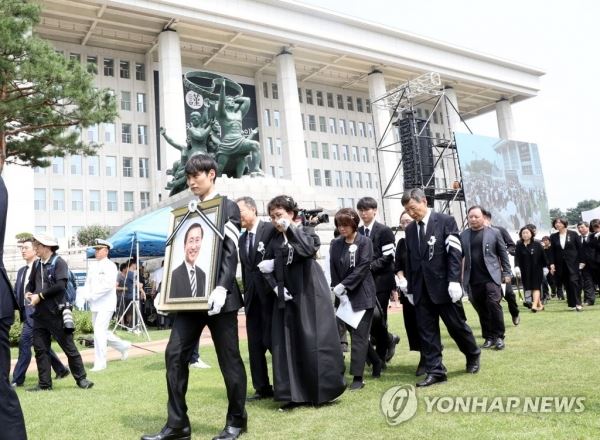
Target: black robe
<point>308,364</point>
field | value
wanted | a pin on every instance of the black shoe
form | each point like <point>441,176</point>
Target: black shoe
<point>473,365</point>
<point>230,433</point>
<point>489,343</point>
<point>356,385</point>
<point>392,347</point>
<point>432,380</point>
<point>85,384</point>
<point>499,344</point>
<point>168,433</point>
<point>259,396</point>
<point>421,370</point>
<point>63,374</point>
<point>39,388</point>
<point>516,320</point>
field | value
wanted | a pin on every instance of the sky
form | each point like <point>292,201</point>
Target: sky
<point>561,38</point>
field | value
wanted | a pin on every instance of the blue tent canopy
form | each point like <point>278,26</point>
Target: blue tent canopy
<point>150,231</point>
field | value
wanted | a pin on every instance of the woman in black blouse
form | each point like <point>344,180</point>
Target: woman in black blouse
<point>531,259</point>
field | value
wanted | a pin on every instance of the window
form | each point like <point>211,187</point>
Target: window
<point>306,148</point>
<point>300,95</point>
<point>368,105</point>
<point>124,69</point>
<point>325,150</point>
<point>267,118</point>
<point>278,146</point>
<point>332,126</point>
<point>58,232</point>
<point>349,103</point>
<point>140,71</point>
<point>352,127</point>
<point>265,88</point>
<point>335,155</point>
<point>361,129</point>
<point>317,177</point>
<point>355,154</point>
<point>144,199</point>
<point>348,178</point>
<point>94,200</point>
<point>330,100</point>
<point>92,64</point>
<point>327,175</point>
<point>435,117</point>
<point>303,121</point>
<point>275,92</point>
<point>309,97</point>
<point>312,123</point>
<point>93,165</point>
<point>369,182</point>
<point>358,179</point>
<point>111,201</point>
<point>270,145</point>
<point>359,105</point>
<point>323,124</point>
<point>77,200</point>
<point>128,200</point>
<point>340,102</point>
<point>364,154</point>
<point>58,165</point>
<point>141,102</point>
<point>58,199</point>
<point>280,172</point>
<point>272,168</point>
<point>314,148</point>
<point>370,129</point>
<point>345,152</point>
<point>109,133</point>
<point>125,100</point>
<point>342,124</point>
<point>419,113</point>
<point>39,199</point>
<point>340,202</point>
<point>75,230</point>
<point>276,118</point>
<point>128,167</point>
<point>319,98</point>
<point>76,165</point>
<point>427,113</point>
<point>92,133</point>
<point>75,57</point>
<point>142,135</point>
<point>126,133</point>
<point>111,166</point>
<point>338,178</point>
<point>39,170</point>
<point>109,67</point>
<point>143,163</point>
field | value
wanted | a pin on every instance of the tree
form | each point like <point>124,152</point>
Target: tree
<point>44,98</point>
<point>556,213</point>
<point>87,236</point>
<point>23,236</point>
<point>574,214</point>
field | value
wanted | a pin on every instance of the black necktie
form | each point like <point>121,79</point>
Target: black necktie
<point>422,241</point>
<point>583,239</point>
<point>367,232</point>
<point>193,282</point>
<point>250,243</point>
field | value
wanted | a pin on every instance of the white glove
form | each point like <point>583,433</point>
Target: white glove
<point>339,290</point>
<point>581,266</point>
<point>455,291</point>
<point>286,293</point>
<point>266,266</point>
<point>402,284</point>
<point>216,300</point>
<point>517,271</point>
<point>545,271</point>
<point>409,297</point>
<point>284,223</point>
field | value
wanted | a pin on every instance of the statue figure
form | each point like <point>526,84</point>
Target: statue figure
<point>231,154</point>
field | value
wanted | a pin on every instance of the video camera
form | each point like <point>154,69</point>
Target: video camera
<point>313,217</point>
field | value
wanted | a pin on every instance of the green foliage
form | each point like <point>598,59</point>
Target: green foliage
<point>574,214</point>
<point>44,97</point>
<point>83,326</point>
<point>87,236</point>
<point>15,332</point>
<point>23,236</point>
<point>556,213</point>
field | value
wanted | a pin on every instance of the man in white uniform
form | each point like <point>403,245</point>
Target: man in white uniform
<point>101,294</point>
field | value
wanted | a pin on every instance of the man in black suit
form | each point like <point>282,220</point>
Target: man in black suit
<point>224,301</point>
<point>588,260</point>
<point>486,266</point>
<point>382,269</point>
<point>188,280</point>
<point>433,269</point>
<point>11,415</point>
<point>258,296</point>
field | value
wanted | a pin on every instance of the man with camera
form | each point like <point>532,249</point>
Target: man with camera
<point>46,291</point>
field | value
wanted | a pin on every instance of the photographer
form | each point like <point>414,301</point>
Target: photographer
<point>46,292</point>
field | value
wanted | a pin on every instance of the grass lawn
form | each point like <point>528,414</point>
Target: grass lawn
<point>553,353</point>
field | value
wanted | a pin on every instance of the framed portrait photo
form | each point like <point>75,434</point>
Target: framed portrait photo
<point>192,258</point>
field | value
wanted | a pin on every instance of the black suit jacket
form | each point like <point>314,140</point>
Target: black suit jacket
<point>588,253</point>
<point>357,279</point>
<point>8,300</point>
<point>382,265</point>
<point>495,255</point>
<point>180,282</point>
<point>567,259</point>
<point>445,263</point>
<point>254,282</point>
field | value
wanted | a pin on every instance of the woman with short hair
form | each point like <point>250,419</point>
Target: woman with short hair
<point>566,260</point>
<point>531,259</point>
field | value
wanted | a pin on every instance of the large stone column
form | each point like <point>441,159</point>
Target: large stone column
<point>294,159</point>
<point>388,160</point>
<point>172,107</point>
<point>506,125</point>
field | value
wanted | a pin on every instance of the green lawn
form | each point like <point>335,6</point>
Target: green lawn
<point>553,353</point>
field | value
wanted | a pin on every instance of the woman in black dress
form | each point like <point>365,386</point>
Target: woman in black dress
<point>350,261</point>
<point>531,259</point>
<point>566,261</point>
<point>308,364</point>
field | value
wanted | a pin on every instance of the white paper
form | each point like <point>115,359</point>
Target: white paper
<point>349,316</point>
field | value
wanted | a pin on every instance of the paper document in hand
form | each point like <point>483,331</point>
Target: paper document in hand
<point>349,316</point>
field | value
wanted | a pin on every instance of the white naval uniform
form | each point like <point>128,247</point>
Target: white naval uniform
<point>101,294</point>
